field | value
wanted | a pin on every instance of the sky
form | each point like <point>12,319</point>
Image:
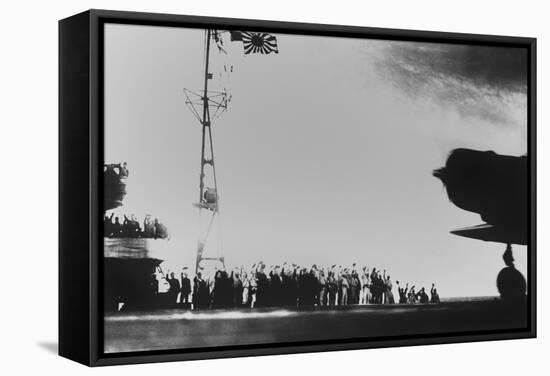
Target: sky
<point>325,154</point>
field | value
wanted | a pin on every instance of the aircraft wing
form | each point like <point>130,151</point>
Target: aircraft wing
<point>491,233</point>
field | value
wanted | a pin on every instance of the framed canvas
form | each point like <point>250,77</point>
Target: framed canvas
<point>235,187</point>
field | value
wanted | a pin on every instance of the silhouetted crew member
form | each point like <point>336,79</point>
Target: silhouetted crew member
<point>200,292</point>
<point>227,283</point>
<point>251,302</point>
<point>108,225</point>
<point>156,228</point>
<point>275,288</point>
<point>222,295</point>
<point>246,296</point>
<point>323,288</point>
<point>355,288</point>
<point>402,293</point>
<point>287,287</point>
<point>365,286</point>
<point>185,287</point>
<point>116,228</point>
<point>309,287</point>
<point>338,276</point>
<point>174,288</point>
<point>130,226</point>
<point>301,287</point>
<point>262,288</point>
<point>160,230</point>
<point>389,292</point>
<point>148,227</point>
<point>123,170</point>
<point>332,288</point>
<point>126,226</point>
<point>423,297</point>
<point>434,294</point>
<point>411,297</point>
<point>374,286</point>
<point>344,288</point>
<point>237,289</point>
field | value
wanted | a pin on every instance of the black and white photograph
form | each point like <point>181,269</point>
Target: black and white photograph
<point>273,188</point>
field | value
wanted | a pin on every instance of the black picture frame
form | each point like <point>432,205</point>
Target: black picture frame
<point>80,196</point>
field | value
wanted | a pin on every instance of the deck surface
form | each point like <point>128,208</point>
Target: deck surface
<point>178,329</point>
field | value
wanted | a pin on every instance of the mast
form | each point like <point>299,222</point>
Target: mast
<point>205,112</point>
<point>208,197</point>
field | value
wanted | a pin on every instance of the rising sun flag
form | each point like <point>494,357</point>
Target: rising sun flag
<point>256,42</point>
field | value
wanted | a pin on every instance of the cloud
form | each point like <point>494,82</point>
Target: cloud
<point>485,82</point>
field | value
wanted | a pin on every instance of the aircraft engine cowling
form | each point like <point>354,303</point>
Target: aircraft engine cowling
<point>492,185</point>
